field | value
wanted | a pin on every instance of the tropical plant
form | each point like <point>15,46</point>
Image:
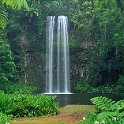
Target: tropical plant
<point>83,86</point>
<point>101,21</point>
<point>27,105</point>
<point>17,88</point>
<point>105,89</point>
<point>120,80</point>
<point>119,88</point>
<point>7,66</point>
<point>90,118</point>
<point>14,4</point>
<point>108,111</point>
<point>4,119</point>
<point>103,103</point>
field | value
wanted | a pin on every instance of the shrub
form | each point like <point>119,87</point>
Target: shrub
<point>120,80</point>
<point>4,119</point>
<point>107,112</point>
<point>119,89</point>
<point>27,105</point>
<point>15,88</point>
<point>83,86</point>
<point>89,119</point>
<point>105,89</point>
<point>7,66</point>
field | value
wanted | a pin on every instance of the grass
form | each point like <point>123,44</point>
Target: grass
<point>78,108</point>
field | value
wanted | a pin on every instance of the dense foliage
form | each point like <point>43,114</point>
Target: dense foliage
<point>7,66</point>
<point>4,119</point>
<point>96,38</point>
<point>27,105</point>
<point>98,29</point>
<point>14,4</point>
<point>118,89</point>
<point>106,112</point>
<point>17,88</point>
<point>104,29</point>
<point>83,86</point>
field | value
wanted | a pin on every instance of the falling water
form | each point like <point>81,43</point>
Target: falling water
<point>49,53</point>
<point>57,56</point>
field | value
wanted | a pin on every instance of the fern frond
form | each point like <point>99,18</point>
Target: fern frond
<point>121,115</point>
<point>119,105</point>
<point>16,4</point>
<point>106,115</point>
<point>103,103</point>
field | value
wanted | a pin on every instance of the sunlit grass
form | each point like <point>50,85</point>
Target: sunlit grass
<point>78,108</point>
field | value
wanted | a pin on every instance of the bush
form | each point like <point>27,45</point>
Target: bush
<point>107,112</point>
<point>119,89</point>
<point>83,86</point>
<point>4,119</point>
<point>105,89</point>
<point>27,105</point>
<point>120,80</point>
<point>14,88</point>
<point>7,66</point>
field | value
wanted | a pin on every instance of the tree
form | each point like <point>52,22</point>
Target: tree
<point>14,4</point>
<point>7,66</point>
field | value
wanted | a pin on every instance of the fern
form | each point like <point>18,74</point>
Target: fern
<point>121,115</point>
<point>103,103</point>
<point>109,111</point>
<point>15,4</point>
<point>106,115</point>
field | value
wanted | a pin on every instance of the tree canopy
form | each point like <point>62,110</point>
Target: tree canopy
<point>96,37</point>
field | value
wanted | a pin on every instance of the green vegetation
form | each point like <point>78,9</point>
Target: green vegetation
<point>4,119</point>
<point>117,88</point>
<point>14,88</point>
<point>7,66</point>
<point>99,24</point>
<point>96,39</point>
<point>14,4</point>
<point>18,105</point>
<point>106,112</point>
<point>83,86</point>
<point>78,108</point>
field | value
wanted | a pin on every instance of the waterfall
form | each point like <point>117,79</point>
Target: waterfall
<point>57,55</point>
<point>49,53</point>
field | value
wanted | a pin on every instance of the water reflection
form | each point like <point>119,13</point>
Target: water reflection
<point>73,99</point>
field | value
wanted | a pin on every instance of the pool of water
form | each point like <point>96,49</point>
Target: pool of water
<point>73,99</point>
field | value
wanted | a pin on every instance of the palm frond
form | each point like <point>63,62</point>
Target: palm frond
<point>15,4</point>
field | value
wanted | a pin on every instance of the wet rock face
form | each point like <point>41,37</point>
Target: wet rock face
<point>79,62</point>
<point>33,62</point>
